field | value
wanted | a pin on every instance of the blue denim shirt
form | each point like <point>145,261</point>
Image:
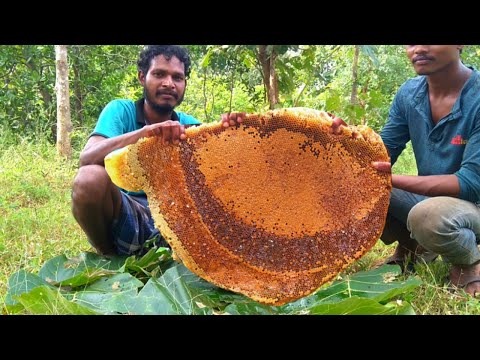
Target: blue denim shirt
<point>452,146</point>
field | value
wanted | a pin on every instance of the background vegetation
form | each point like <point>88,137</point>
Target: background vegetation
<point>355,82</point>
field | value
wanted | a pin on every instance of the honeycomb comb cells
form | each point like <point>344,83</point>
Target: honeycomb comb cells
<point>272,208</point>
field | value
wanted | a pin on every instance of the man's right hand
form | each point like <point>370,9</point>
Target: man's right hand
<point>170,132</point>
<point>337,129</point>
<point>337,125</point>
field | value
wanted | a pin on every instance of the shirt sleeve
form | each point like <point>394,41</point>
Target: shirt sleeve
<point>395,133</point>
<point>111,121</point>
<point>186,119</point>
<point>469,172</point>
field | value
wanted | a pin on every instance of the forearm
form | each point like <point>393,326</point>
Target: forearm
<point>433,185</point>
<point>95,151</point>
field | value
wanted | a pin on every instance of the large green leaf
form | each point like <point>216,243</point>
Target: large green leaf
<point>148,261</point>
<point>215,297</point>
<point>22,282</point>
<point>116,283</point>
<point>89,259</point>
<point>361,306</point>
<point>379,285</point>
<point>350,306</point>
<point>106,303</point>
<point>177,291</point>
<point>204,293</point>
<point>74,272</point>
<point>154,300</point>
<point>252,308</point>
<point>44,300</point>
<point>109,295</point>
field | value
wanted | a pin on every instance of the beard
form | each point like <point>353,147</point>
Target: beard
<point>161,109</point>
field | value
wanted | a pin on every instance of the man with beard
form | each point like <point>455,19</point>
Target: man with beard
<point>114,220</point>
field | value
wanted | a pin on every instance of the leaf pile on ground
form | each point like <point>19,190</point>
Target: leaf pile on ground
<point>156,285</point>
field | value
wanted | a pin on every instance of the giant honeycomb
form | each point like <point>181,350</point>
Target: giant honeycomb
<point>272,208</point>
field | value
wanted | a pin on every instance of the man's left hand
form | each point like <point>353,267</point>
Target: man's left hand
<point>232,119</point>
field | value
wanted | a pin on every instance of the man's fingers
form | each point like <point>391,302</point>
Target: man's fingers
<point>182,135</point>
<point>170,132</point>
<point>240,117</point>
<point>166,135</point>
<point>340,121</point>
<point>232,119</point>
<point>175,135</point>
<point>154,131</point>
<point>236,118</point>
<point>337,125</point>
<point>225,120</point>
<point>382,166</point>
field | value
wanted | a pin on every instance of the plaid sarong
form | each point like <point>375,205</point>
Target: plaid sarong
<point>134,226</point>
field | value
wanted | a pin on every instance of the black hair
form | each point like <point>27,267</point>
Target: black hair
<point>151,51</point>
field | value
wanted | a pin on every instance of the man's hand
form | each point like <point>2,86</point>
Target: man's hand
<point>337,129</point>
<point>170,132</point>
<point>337,125</point>
<point>382,166</point>
<point>232,119</point>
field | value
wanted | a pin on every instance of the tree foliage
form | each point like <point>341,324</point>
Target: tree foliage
<point>224,78</point>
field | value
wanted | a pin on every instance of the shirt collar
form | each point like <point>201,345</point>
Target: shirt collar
<point>422,94</point>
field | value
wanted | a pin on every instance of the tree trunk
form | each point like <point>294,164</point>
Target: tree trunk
<point>64,122</point>
<point>353,97</point>
<point>270,80</point>
<point>232,87</point>
<point>273,79</point>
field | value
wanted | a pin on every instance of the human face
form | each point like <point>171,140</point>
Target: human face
<point>430,59</point>
<point>164,84</point>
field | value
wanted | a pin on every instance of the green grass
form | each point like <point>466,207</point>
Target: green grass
<point>36,224</point>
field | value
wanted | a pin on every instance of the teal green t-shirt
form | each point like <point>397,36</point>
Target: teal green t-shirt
<point>123,116</point>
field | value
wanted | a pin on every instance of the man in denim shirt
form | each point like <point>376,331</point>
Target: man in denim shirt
<point>436,212</point>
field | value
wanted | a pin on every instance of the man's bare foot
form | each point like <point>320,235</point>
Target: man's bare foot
<point>466,277</point>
